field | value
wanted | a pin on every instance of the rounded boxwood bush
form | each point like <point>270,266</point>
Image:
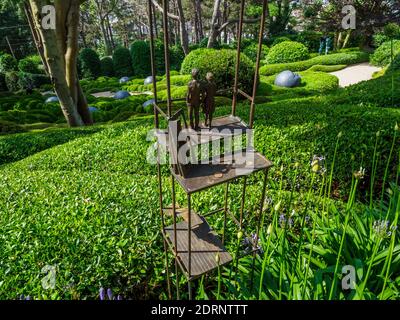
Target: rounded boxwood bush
<point>107,67</point>
<point>251,51</point>
<point>122,62</point>
<point>7,63</point>
<point>12,81</point>
<point>140,55</point>
<point>3,85</point>
<point>28,65</point>
<point>280,40</point>
<point>288,51</point>
<point>382,55</point>
<point>90,63</point>
<point>222,64</point>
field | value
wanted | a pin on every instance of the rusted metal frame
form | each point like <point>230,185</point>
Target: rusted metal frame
<point>239,44</point>
<point>157,125</point>
<point>255,249</point>
<point>225,211</point>
<point>175,235</point>
<point>166,56</point>
<point>242,203</point>
<point>213,212</point>
<point>257,72</point>
<point>244,94</point>
<point>158,111</point>
<point>190,245</point>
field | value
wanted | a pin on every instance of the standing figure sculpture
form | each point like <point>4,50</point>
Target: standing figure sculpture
<point>210,91</point>
<point>193,100</point>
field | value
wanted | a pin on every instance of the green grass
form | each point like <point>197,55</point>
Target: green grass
<point>107,231</point>
<point>346,58</point>
<point>312,83</point>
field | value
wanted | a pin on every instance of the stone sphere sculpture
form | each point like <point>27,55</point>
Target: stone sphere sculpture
<point>148,80</point>
<point>124,80</point>
<point>287,79</point>
<point>52,100</point>
<point>122,95</point>
<point>148,103</point>
<point>93,109</point>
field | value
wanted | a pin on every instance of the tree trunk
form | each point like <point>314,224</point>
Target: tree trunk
<point>110,32</point>
<point>214,24</point>
<point>200,19</point>
<point>60,48</point>
<point>183,31</point>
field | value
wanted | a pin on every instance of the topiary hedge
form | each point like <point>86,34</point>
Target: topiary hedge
<point>251,51</point>
<point>7,63</point>
<point>90,63</point>
<point>28,65</point>
<point>222,64</point>
<point>107,67</point>
<point>122,63</point>
<point>346,58</point>
<point>3,85</point>
<point>287,51</point>
<point>382,55</point>
<point>12,79</point>
<point>140,55</point>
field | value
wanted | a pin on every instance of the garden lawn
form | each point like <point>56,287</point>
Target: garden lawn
<point>88,202</point>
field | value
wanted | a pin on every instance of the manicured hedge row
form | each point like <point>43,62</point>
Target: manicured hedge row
<point>382,56</point>
<point>332,59</point>
<point>222,64</point>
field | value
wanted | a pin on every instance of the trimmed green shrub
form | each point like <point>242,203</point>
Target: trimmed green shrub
<point>222,64</point>
<point>311,83</point>
<point>3,85</point>
<point>140,54</point>
<point>177,56</point>
<point>90,63</point>
<point>287,51</point>
<point>382,55</point>
<point>7,63</point>
<point>28,65</point>
<point>122,63</point>
<point>322,68</point>
<point>331,59</point>
<point>101,84</point>
<point>12,80</point>
<point>107,67</point>
<point>280,40</point>
<point>31,81</point>
<point>7,127</point>
<point>251,51</point>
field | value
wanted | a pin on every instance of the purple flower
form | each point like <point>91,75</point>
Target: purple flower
<point>102,294</point>
<point>119,297</point>
<point>110,294</point>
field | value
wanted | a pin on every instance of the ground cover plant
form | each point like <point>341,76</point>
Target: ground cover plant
<point>114,212</point>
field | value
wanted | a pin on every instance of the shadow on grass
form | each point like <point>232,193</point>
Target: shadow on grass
<point>16,147</point>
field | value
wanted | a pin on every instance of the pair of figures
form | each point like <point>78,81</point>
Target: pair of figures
<point>201,94</point>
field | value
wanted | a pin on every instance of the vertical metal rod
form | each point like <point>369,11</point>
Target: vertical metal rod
<point>257,72</point>
<point>156,124</point>
<point>225,212</point>
<point>175,235</point>
<point>243,203</point>
<point>153,63</point>
<point>239,44</point>
<point>190,245</point>
<point>259,225</point>
<point>166,55</point>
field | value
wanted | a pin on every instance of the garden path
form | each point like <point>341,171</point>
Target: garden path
<point>355,74</point>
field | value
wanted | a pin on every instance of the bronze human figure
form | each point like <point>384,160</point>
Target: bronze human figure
<point>193,100</point>
<point>210,90</point>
